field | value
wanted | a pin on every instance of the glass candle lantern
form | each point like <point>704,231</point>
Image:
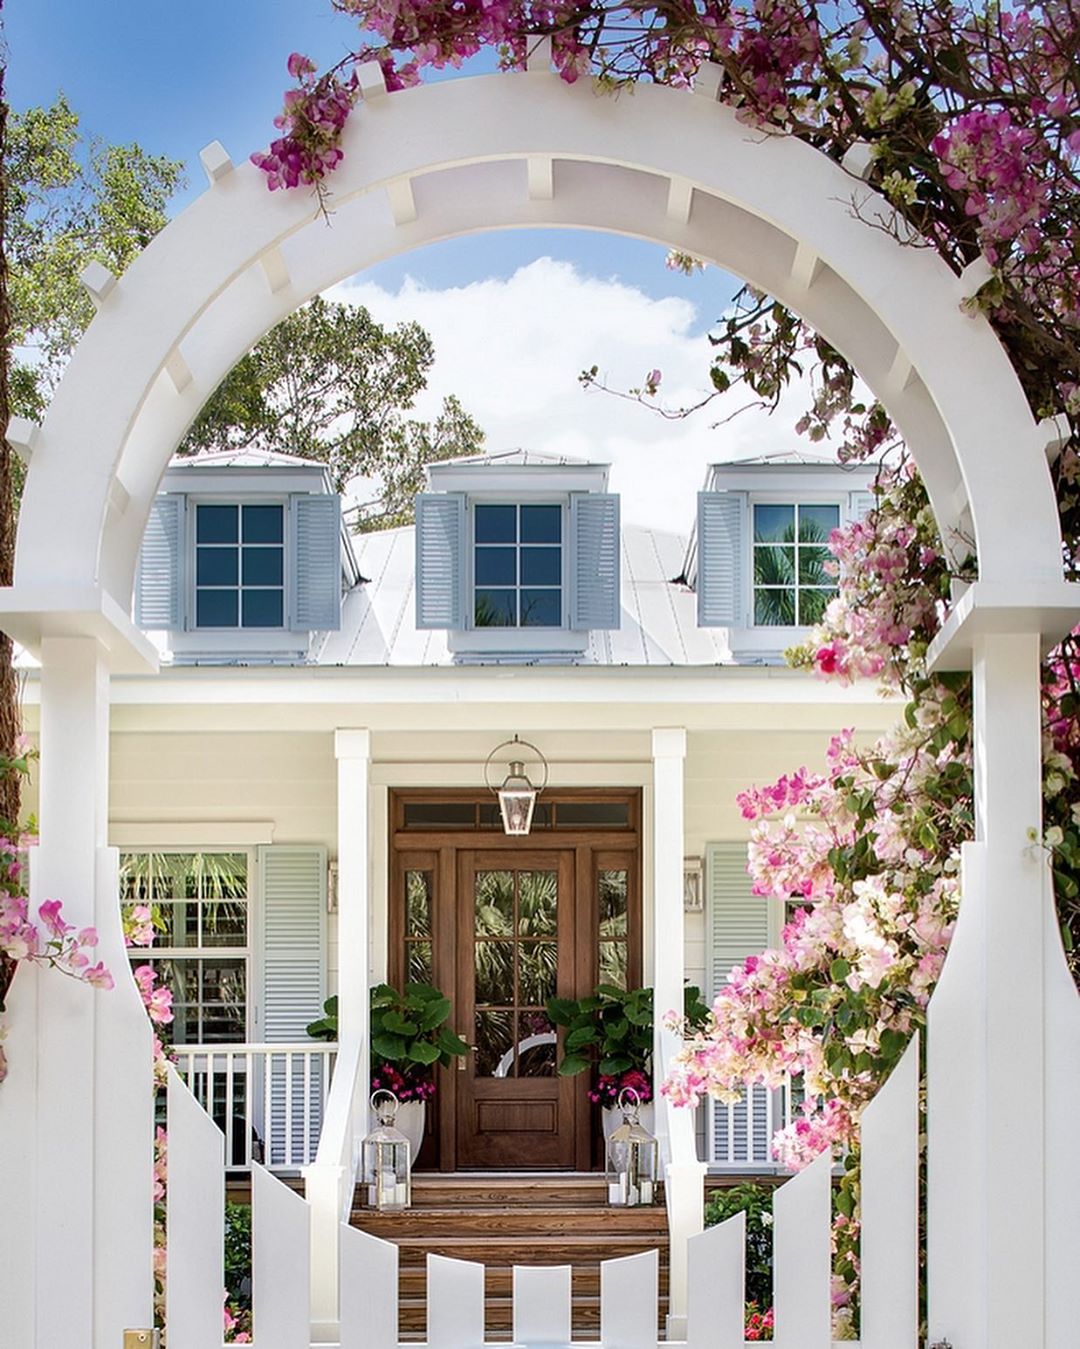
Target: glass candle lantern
<point>632,1158</point>
<point>386,1158</point>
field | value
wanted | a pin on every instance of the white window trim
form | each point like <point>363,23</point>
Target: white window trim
<point>194,501</point>
<point>793,497</point>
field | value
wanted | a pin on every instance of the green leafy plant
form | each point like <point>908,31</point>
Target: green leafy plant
<point>408,1030</point>
<point>756,1201</point>
<point>611,1030</point>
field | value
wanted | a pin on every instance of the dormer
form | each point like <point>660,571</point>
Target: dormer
<point>244,559</point>
<point>757,557</point>
<point>517,555</point>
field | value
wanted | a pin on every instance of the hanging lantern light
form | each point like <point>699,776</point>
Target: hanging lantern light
<point>632,1157</point>
<point>517,795</point>
<point>386,1158</point>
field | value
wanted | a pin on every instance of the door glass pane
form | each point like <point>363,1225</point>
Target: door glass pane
<point>611,886</point>
<point>613,963</point>
<point>494,903</point>
<point>419,961</point>
<point>537,967</point>
<point>418,903</point>
<point>537,902</point>
<point>494,1052</point>
<point>536,1045</point>
<point>494,968</point>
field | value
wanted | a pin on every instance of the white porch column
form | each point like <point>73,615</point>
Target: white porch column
<point>352,749</point>
<point>683,1173</point>
<point>83,1268</point>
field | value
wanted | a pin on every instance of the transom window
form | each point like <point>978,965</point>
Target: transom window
<point>239,565</point>
<point>791,586</point>
<point>518,566</point>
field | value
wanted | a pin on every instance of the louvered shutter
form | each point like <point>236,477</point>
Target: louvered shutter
<point>292,890</point>
<point>737,923</point>
<point>595,600</point>
<point>860,504</point>
<point>721,558</point>
<point>440,560</point>
<point>316,562</point>
<point>159,578</point>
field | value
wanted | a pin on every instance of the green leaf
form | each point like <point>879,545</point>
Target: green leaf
<point>582,1036</point>
<point>839,971</point>
<point>397,1024</point>
<point>433,1013</point>
<point>615,1064</point>
<point>573,1064</point>
<point>449,1043</point>
<point>421,1051</point>
<point>390,1047</point>
<point>562,1010</point>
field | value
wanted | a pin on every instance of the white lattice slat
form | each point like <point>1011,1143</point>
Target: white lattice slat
<point>802,1258</point>
<point>717,1293</point>
<point>195,1222</point>
<point>629,1291</point>
<point>369,1289</point>
<point>280,1264</point>
<point>455,1303</point>
<point>890,1210</point>
<point>542,1304</point>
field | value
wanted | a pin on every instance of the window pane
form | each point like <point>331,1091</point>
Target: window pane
<point>224,923</point>
<point>537,902</point>
<point>774,566</point>
<point>217,566</point>
<point>494,903</point>
<point>493,967</point>
<point>541,608</point>
<point>216,524</point>
<point>496,609</point>
<point>541,566</point>
<point>812,605</point>
<point>495,524</point>
<point>537,963</point>
<point>774,524</point>
<point>418,954</point>
<point>536,1045</point>
<point>263,524</point>
<point>774,608</point>
<point>263,608</point>
<point>812,566</point>
<point>224,1000</point>
<point>611,886</point>
<point>577,813</point>
<point>264,566</point>
<point>494,1044</point>
<point>217,608</point>
<point>439,814</point>
<point>541,524</point>
<point>219,875</point>
<point>816,523</point>
<point>496,566</point>
<point>418,903</point>
<point>613,963</point>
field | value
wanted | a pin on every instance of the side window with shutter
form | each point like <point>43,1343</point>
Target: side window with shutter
<point>721,551</point>
<point>292,893</point>
<point>440,560</point>
<point>737,926</point>
<point>595,600</point>
<point>159,579</point>
<point>316,563</point>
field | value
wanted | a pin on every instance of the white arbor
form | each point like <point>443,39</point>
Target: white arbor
<point>519,150</point>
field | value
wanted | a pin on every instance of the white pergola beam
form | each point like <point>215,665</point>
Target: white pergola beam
<point>805,266</point>
<point>372,81</point>
<point>858,160</point>
<point>274,269</point>
<point>541,171</point>
<point>680,200</point>
<point>399,193</point>
<point>178,370</point>
<point>216,162</point>
<point>538,54</point>
<point>23,436</point>
<point>98,281</point>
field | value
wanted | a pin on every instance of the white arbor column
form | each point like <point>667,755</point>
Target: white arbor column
<point>683,1173</point>
<point>87,1221</point>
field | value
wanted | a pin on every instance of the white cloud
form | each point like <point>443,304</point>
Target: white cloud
<point>512,351</point>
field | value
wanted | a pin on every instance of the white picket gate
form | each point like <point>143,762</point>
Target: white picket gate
<point>283,1258</point>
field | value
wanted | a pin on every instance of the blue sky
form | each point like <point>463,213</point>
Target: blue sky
<point>515,316</point>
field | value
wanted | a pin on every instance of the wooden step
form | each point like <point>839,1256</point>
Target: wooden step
<point>457,1191</point>
<point>551,1250</point>
<point>518,1220</point>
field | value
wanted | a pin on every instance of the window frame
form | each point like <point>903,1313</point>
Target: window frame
<point>794,497</point>
<point>142,955</point>
<point>191,545</point>
<point>474,499</point>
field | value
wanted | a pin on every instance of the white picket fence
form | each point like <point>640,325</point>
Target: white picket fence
<point>269,1100</point>
<point>285,1255</point>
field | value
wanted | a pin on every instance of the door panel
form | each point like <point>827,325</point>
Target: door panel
<point>516,934</point>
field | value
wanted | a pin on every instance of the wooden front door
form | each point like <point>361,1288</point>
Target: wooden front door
<point>516,949</point>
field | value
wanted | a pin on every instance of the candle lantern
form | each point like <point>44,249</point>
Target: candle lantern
<point>632,1157</point>
<point>386,1158</point>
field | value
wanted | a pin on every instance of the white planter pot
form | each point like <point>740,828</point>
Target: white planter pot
<point>410,1121</point>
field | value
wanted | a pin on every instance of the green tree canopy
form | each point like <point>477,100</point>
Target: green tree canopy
<point>332,384</point>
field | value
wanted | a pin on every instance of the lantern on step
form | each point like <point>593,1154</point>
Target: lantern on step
<point>632,1157</point>
<point>386,1158</point>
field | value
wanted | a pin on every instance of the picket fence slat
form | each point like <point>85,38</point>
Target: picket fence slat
<point>890,1210</point>
<point>280,1264</point>
<point>541,1304</point>
<point>195,1222</point>
<point>802,1258</point>
<point>629,1292</point>
<point>369,1281</point>
<point>717,1284</point>
<point>455,1303</point>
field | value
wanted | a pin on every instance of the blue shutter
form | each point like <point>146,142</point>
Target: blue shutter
<point>316,562</point>
<point>159,578</point>
<point>440,560</point>
<point>292,913</point>
<point>595,600</point>
<point>737,926</point>
<point>860,504</point>
<point>721,559</point>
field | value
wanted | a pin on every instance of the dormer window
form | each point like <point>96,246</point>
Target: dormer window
<point>517,565</point>
<point>790,584</point>
<point>239,565</point>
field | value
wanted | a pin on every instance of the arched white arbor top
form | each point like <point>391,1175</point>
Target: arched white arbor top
<point>523,150</point>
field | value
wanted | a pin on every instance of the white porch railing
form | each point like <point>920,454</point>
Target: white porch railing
<point>269,1100</point>
<point>738,1137</point>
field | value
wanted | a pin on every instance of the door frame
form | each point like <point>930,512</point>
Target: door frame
<point>436,848</point>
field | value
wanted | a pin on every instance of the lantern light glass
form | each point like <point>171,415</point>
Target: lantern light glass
<point>517,798</point>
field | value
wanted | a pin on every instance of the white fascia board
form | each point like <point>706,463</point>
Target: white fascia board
<point>802,478</point>
<point>246,479</point>
<point>477,479</point>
